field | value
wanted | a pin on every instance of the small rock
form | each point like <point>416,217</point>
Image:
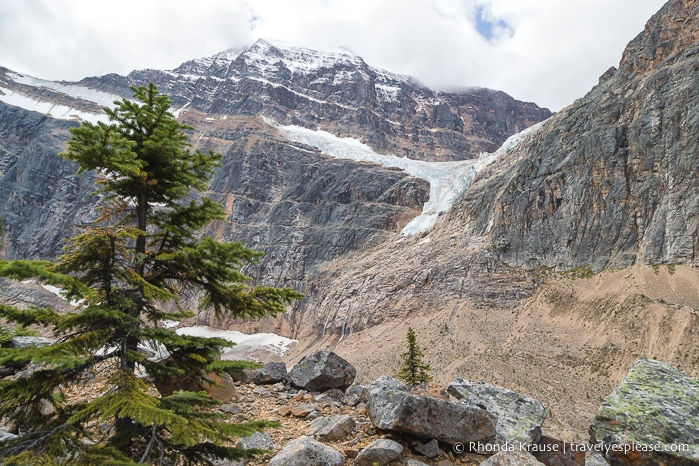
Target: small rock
<point>331,428</point>
<point>298,411</point>
<point>414,462</point>
<point>514,457</point>
<point>226,462</point>
<point>334,396</point>
<point>271,373</point>
<point>550,450</point>
<point>263,392</point>
<point>305,451</point>
<point>230,408</point>
<point>46,408</point>
<point>356,394</point>
<point>429,449</point>
<point>258,440</point>
<point>381,451</point>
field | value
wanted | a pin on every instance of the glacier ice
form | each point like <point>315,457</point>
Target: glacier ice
<point>448,180</point>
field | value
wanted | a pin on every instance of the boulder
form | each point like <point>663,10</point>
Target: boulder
<point>381,451</point>
<point>305,451</point>
<point>331,428</point>
<point>272,372</point>
<point>652,417</point>
<point>514,457</point>
<point>321,371</point>
<point>392,407</point>
<point>519,418</point>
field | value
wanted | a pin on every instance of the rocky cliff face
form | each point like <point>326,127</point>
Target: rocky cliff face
<point>301,207</point>
<point>42,199</point>
<point>612,179</point>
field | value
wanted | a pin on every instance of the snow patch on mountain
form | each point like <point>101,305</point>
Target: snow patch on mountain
<point>448,180</point>
<point>77,91</point>
<point>60,112</point>
<point>15,96</point>
<point>269,342</point>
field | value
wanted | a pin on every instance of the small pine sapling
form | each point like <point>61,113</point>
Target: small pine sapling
<point>414,370</point>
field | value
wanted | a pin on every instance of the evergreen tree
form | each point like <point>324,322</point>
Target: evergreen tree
<point>138,260</point>
<point>414,370</point>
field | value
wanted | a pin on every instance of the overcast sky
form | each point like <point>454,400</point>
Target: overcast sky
<point>545,51</point>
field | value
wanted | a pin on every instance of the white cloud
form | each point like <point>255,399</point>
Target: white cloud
<point>553,53</point>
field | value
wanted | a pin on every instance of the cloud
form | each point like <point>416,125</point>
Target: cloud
<point>546,51</point>
<point>489,26</point>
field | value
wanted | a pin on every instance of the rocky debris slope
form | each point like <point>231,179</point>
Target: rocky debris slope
<point>389,423</point>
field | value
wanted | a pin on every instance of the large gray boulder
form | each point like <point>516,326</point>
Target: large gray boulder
<point>392,407</point>
<point>519,418</point>
<point>321,371</point>
<point>304,451</point>
<point>655,407</point>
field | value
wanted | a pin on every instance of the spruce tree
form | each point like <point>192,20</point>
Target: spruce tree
<point>414,370</point>
<point>128,271</point>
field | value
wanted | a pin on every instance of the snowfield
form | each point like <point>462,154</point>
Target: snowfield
<point>268,342</point>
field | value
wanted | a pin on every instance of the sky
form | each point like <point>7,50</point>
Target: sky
<point>550,52</point>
